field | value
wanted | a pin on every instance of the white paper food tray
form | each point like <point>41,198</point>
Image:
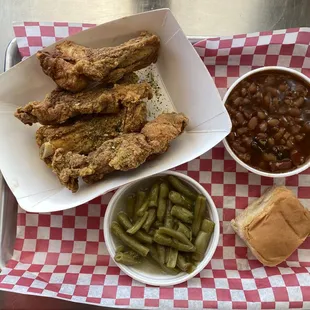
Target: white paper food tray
<point>187,87</point>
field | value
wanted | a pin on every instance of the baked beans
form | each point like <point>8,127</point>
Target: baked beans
<point>270,114</point>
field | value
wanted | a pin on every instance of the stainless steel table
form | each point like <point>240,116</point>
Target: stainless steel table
<point>197,18</point>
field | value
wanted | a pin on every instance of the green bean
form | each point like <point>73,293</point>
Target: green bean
<point>182,247</point>
<point>158,224</point>
<point>138,224</point>
<point>201,243</point>
<point>163,240</point>
<point>184,265</point>
<point>150,220</point>
<point>207,226</point>
<point>185,230</point>
<point>154,255</point>
<point>153,251</point>
<point>162,201</point>
<point>125,222</point>
<point>172,271</point>
<point>182,214</point>
<point>127,258</point>
<point>143,237</point>
<point>166,254</point>
<point>174,234</point>
<point>120,248</point>
<point>182,188</point>
<point>172,258</point>
<point>181,200</point>
<point>153,201</point>
<point>167,241</point>
<point>168,218</point>
<point>141,195</point>
<point>164,268</point>
<point>130,241</point>
<point>131,200</point>
<point>143,208</point>
<point>199,214</point>
<point>161,250</point>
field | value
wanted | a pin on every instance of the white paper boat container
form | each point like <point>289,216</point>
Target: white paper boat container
<point>185,84</point>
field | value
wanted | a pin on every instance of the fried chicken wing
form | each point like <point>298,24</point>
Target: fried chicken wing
<point>163,129</point>
<point>71,65</point>
<point>130,150</point>
<point>88,132</point>
<point>60,105</point>
<point>125,152</point>
<point>62,72</point>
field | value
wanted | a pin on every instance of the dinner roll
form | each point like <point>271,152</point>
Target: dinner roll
<point>273,226</point>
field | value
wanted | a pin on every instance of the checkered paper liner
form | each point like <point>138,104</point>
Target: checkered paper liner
<point>63,254</point>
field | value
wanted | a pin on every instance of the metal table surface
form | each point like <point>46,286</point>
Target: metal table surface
<point>197,18</point>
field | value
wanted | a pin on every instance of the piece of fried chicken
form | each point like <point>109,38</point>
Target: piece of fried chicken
<point>60,105</point>
<point>71,65</point>
<point>87,133</point>
<point>125,152</point>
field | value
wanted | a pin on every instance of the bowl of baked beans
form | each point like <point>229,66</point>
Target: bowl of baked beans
<point>269,109</point>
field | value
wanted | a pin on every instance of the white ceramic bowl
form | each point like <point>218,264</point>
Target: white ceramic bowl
<point>299,169</point>
<point>155,276</point>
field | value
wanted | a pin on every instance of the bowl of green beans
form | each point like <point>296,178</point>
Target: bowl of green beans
<point>162,230</point>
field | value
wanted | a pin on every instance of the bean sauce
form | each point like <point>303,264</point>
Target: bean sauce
<point>270,113</point>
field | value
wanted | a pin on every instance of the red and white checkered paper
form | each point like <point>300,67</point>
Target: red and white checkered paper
<point>63,254</point>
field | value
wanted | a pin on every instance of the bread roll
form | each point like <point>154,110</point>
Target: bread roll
<point>273,226</point>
